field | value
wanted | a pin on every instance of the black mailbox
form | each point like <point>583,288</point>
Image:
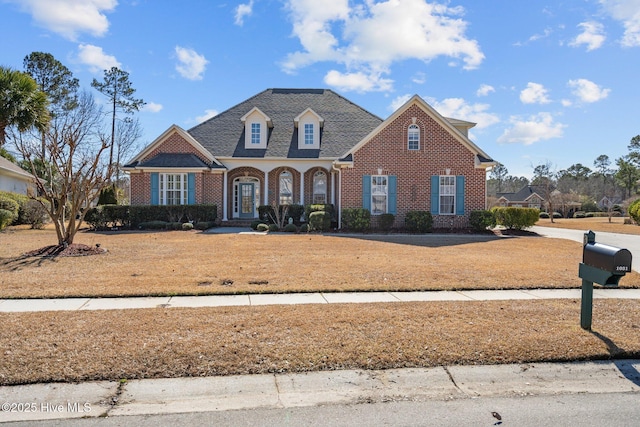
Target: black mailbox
<point>611,259</point>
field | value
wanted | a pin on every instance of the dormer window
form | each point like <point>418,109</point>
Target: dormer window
<point>308,124</point>
<point>256,125</point>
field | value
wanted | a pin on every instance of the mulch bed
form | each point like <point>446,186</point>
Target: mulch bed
<point>74,249</point>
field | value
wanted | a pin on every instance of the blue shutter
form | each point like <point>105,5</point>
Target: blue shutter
<point>392,202</point>
<point>459,195</point>
<point>155,188</point>
<point>435,195</point>
<point>191,188</point>
<point>366,192</point>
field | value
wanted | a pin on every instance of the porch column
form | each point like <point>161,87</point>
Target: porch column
<point>339,207</point>
<point>266,188</point>
<point>302,188</point>
<point>225,197</point>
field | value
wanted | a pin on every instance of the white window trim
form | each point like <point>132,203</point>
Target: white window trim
<point>385,193</point>
<point>307,117</point>
<point>163,179</point>
<point>410,131</point>
<point>441,195</point>
<point>236,194</point>
<point>258,134</point>
<point>258,117</point>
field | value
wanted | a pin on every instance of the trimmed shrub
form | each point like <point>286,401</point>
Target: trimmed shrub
<point>385,221</point>
<point>304,228</point>
<point>295,212</point>
<point>557,215</point>
<point>579,214</point>
<point>176,225</point>
<point>319,221</point>
<point>21,200</point>
<point>262,227</point>
<point>481,220</point>
<point>544,215</point>
<point>187,226</point>
<point>516,218</point>
<point>10,208</point>
<point>153,225</point>
<point>356,219</point>
<point>95,218</point>
<point>254,224</point>
<point>634,211</point>
<point>274,227</point>
<point>6,218</point>
<point>418,221</point>
<point>290,228</point>
<point>309,209</point>
<point>204,225</point>
<point>172,213</point>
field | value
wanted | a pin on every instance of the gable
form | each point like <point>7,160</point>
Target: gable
<point>434,129</point>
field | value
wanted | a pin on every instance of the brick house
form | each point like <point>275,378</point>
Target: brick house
<point>302,146</point>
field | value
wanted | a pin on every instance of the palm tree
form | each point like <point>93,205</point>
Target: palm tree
<point>22,103</point>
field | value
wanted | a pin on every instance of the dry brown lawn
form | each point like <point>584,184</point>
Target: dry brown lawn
<point>616,225</point>
<point>172,342</point>
<point>194,263</point>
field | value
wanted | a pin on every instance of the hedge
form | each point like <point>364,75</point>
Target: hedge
<point>516,218</point>
<point>320,221</point>
<point>136,216</point>
<point>481,220</point>
<point>356,219</point>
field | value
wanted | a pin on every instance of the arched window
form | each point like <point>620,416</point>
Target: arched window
<point>413,137</point>
<point>319,187</point>
<point>286,188</point>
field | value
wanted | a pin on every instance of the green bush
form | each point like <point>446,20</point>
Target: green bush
<point>187,226</point>
<point>21,200</point>
<point>173,213</point>
<point>153,225</point>
<point>385,222</point>
<point>356,219</point>
<point>481,220</point>
<point>319,221</point>
<point>579,214</point>
<point>516,218</point>
<point>274,227</point>
<point>557,215</point>
<point>295,212</point>
<point>175,225</point>
<point>418,221</point>
<point>6,218</point>
<point>634,211</point>
<point>108,196</point>
<point>10,208</point>
<point>204,225</point>
<point>262,227</point>
<point>544,215</point>
<point>254,224</point>
<point>290,228</point>
<point>309,209</point>
<point>304,228</point>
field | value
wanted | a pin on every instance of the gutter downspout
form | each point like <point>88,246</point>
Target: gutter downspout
<point>339,170</point>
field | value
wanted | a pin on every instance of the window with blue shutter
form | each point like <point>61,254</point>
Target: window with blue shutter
<point>459,195</point>
<point>191,189</point>
<point>155,188</point>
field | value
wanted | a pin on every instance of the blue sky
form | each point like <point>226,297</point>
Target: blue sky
<point>544,81</point>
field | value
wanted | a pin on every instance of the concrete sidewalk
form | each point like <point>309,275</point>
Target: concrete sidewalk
<point>184,395</point>
<point>62,304</point>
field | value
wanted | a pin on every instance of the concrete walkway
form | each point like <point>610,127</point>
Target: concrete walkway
<point>72,304</point>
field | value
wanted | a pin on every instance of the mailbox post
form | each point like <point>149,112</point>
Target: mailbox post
<point>601,264</point>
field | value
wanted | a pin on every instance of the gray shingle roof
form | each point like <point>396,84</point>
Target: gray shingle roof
<point>173,160</point>
<point>522,194</point>
<point>345,124</point>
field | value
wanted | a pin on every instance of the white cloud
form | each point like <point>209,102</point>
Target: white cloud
<point>458,108</point>
<point>485,90</point>
<point>359,82</point>
<point>588,91</point>
<point>152,107</point>
<point>627,12</point>
<point>536,128</point>
<point>96,59</point>
<point>367,39</point>
<point>592,36</point>
<point>207,115</point>
<point>419,78</point>
<point>535,93</point>
<point>399,101</point>
<point>242,11</point>
<point>70,17</point>
<point>191,65</point>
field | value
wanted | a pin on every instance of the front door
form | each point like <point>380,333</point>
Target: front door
<point>247,202</point>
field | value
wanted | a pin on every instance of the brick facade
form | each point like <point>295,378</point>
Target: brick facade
<point>386,153</point>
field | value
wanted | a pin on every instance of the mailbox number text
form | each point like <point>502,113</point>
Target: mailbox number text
<point>622,268</point>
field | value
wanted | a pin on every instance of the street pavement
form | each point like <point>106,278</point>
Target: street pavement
<point>281,399</point>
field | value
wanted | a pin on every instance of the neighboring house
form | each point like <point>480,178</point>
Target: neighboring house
<point>302,146</point>
<point>527,197</point>
<point>15,179</point>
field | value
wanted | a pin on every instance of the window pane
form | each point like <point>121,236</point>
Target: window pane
<point>413,138</point>
<point>286,185</point>
<point>447,195</point>
<point>319,187</point>
<point>378,195</point>
<point>378,204</point>
<point>308,134</point>
<point>255,133</point>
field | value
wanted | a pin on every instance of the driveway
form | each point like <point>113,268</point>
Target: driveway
<point>627,241</point>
